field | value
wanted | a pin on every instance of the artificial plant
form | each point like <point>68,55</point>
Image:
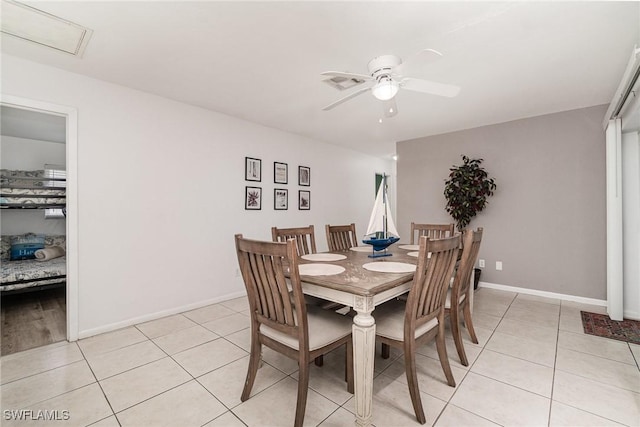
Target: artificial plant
<point>467,191</point>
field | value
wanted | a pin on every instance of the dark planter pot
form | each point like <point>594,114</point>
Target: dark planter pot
<point>476,278</point>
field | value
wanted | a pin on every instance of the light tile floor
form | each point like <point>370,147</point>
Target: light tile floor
<point>533,366</point>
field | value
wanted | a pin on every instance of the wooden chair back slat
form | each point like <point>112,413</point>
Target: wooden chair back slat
<point>433,231</point>
<point>304,237</point>
<point>262,265</point>
<point>341,237</point>
<point>436,262</point>
<point>471,249</point>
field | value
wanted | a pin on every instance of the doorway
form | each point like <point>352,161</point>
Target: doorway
<point>61,298</point>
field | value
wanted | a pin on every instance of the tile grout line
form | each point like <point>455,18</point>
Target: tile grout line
<point>555,364</point>
<point>114,413</point>
<point>591,379</point>
<point>193,378</point>
<point>59,394</point>
<point>447,403</point>
<point>468,371</point>
<point>148,363</point>
<point>99,385</point>
<point>229,409</point>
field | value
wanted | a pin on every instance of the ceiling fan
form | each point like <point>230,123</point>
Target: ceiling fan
<point>386,77</point>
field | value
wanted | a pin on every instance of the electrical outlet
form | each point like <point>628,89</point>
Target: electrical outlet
<point>481,263</point>
<point>499,265</point>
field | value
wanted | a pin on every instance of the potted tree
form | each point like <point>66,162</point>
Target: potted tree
<point>467,191</point>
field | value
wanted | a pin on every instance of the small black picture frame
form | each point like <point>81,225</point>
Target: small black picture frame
<point>252,169</point>
<point>253,198</point>
<point>280,173</point>
<point>280,199</point>
<point>304,176</point>
<point>304,200</point>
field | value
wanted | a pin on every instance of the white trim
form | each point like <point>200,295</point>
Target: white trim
<point>71,115</point>
<point>545,294</point>
<point>631,315</point>
<point>157,315</point>
<point>619,102</point>
<point>615,243</point>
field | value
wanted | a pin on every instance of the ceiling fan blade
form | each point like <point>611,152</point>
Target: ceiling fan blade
<point>425,56</point>
<point>346,98</point>
<point>433,88</point>
<point>389,107</point>
<point>346,75</point>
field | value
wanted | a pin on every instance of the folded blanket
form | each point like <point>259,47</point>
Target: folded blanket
<point>48,253</point>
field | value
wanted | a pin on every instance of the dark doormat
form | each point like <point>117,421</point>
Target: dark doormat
<point>602,326</point>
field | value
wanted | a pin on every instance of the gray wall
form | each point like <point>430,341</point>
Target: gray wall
<point>546,222</point>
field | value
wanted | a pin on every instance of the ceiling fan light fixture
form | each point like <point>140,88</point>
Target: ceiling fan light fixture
<point>385,89</point>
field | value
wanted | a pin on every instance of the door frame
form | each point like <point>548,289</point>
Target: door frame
<point>71,148</point>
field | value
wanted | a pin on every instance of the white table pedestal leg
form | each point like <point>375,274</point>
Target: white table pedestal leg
<point>364,347</point>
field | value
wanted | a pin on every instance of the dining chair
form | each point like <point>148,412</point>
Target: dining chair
<point>281,320</point>
<point>458,295</point>
<point>304,236</point>
<point>434,231</point>
<point>421,318</point>
<point>306,243</point>
<point>341,237</point>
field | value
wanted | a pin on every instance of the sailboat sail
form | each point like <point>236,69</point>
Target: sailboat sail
<point>381,212</point>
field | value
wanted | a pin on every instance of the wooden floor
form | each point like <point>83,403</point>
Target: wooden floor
<point>33,319</point>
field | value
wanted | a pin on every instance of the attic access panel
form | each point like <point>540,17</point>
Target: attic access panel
<point>37,26</point>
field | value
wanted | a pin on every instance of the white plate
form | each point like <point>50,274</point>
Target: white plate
<point>362,249</point>
<point>319,269</point>
<point>409,247</point>
<point>390,267</point>
<point>323,257</point>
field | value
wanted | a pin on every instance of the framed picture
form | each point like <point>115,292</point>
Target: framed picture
<point>252,169</point>
<point>280,199</point>
<point>253,198</point>
<point>280,173</point>
<point>304,200</point>
<point>304,176</point>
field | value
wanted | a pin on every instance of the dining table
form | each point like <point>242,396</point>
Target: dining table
<point>353,279</point>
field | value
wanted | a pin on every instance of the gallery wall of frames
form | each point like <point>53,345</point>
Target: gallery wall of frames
<point>254,198</point>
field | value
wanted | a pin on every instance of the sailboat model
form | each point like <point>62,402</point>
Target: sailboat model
<point>381,232</point>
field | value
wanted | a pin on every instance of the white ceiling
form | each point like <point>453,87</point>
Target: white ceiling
<point>261,61</point>
<point>32,125</point>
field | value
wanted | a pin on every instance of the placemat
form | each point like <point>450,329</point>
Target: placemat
<point>409,247</point>
<point>362,249</point>
<point>323,257</point>
<point>390,267</point>
<point>319,269</point>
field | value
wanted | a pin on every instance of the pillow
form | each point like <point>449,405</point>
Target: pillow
<point>25,246</point>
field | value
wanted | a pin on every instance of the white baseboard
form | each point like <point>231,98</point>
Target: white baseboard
<point>153,316</point>
<point>545,294</point>
<point>157,315</point>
